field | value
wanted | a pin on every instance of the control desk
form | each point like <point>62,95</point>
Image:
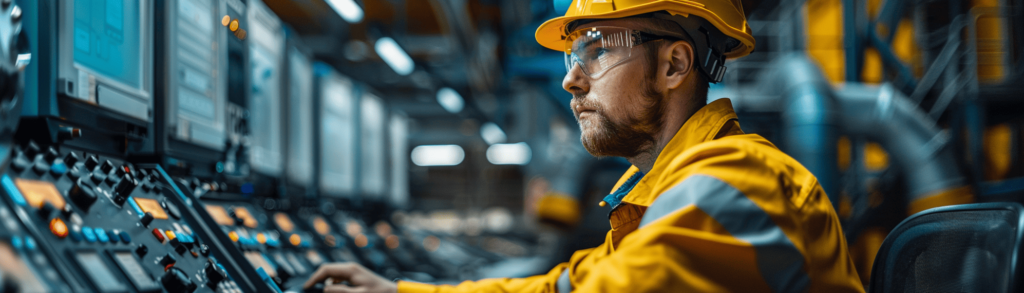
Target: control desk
<point>112,226</point>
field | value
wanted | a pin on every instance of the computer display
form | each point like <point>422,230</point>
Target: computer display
<point>107,39</point>
<point>398,152</point>
<point>266,51</point>
<point>373,161</point>
<point>196,97</point>
<point>109,51</point>
<point>338,136</point>
<point>300,120</point>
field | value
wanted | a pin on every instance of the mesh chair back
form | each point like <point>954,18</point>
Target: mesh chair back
<point>963,248</point>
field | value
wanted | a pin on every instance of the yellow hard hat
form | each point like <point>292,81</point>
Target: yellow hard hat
<point>725,15</point>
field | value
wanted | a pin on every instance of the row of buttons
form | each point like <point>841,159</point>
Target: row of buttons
<point>90,234</point>
<point>26,242</point>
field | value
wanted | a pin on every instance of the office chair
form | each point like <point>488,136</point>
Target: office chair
<point>962,248</point>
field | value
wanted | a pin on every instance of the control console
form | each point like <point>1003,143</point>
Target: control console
<point>119,227</point>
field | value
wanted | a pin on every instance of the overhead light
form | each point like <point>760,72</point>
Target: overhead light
<point>394,56</point>
<point>438,155</point>
<point>509,154</point>
<point>348,9</point>
<point>450,100</point>
<point>492,134</point>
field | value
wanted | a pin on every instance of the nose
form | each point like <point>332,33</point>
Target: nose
<point>575,82</point>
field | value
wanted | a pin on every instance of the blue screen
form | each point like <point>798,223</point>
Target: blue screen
<point>106,38</point>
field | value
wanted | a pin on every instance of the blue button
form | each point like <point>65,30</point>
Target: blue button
<point>113,236</point>
<point>58,168</point>
<point>90,235</point>
<point>125,237</point>
<point>75,235</point>
<point>16,242</point>
<point>30,243</point>
<point>101,235</point>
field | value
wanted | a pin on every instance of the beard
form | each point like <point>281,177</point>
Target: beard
<point>630,138</point>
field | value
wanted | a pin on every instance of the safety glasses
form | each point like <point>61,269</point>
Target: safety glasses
<point>597,49</point>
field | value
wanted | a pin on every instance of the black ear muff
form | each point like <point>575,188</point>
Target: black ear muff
<point>709,44</point>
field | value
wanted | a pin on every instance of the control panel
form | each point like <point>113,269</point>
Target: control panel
<point>119,227</point>
<point>274,242</point>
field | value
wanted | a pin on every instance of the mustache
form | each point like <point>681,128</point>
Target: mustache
<point>581,101</point>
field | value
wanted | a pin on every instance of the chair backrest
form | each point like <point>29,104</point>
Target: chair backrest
<point>962,248</point>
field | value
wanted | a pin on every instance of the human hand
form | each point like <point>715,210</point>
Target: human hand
<point>359,279</point>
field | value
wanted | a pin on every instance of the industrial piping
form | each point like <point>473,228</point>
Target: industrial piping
<point>812,121</point>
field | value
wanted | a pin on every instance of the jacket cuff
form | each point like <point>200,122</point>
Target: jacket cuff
<point>413,287</point>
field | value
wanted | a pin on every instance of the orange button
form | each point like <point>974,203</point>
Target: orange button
<point>262,239</point>
<point>295,239</point>
<point>58,228</point>
<point>158,234</point>
<point>170,235</point>
<point>233,235</point>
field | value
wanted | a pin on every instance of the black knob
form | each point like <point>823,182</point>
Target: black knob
<point>20,162</point>
<point>31,150</point>
<point>147,218</point>
<point>167,260</point>
<point>175,280</point>
<point>82,194</point>
<point>91,162</point>
<point>142,250</point>
<point>214,273</point>
<point>152,177</point>
<point>204,249</point>
<point>46,210</point>
<point>71,159</point>
<point>120,171</point>
<point>67,211</point>
<point>51,154</point>
<point>41,166</point>
<point>125,186</point>
<point>107,166</point>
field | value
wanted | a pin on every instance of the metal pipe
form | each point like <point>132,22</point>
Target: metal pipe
<point>883,114</point>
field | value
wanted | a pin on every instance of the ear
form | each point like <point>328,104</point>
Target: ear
<point>680,57</point>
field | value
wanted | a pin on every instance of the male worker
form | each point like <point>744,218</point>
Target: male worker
<point>705,207</point>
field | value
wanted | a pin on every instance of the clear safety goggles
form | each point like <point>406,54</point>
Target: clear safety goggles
<point>597,49</point>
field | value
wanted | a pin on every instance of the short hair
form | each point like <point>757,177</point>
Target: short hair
<point>654,25</point>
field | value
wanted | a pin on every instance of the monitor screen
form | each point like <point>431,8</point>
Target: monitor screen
<point>337,136</point>
<point>300,120</point>
<point>398,137</point>
<point>373,161</point>
<point>266,51</point>
<point>107,39</point>
<point>108,55</point>
<point>197,65</point>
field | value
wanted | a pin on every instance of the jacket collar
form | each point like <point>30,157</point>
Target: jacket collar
<point>634,187</point>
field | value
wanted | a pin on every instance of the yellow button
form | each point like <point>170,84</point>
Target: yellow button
<point>234,25</point>
<point>295,239</point>
<point>225,21</point>
<point>170,235</point>
<point>233,236</point>
<point>261,238</point>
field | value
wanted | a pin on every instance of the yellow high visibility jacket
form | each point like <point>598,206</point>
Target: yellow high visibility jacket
<point>720,211</point>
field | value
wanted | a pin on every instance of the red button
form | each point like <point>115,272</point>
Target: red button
<point>159,235</point>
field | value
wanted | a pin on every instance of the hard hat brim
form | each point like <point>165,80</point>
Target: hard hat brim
<point>551,33</point>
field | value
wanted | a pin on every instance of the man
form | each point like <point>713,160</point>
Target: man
<point>705,207</point>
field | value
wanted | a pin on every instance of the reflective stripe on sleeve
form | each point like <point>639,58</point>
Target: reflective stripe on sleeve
<point>780,263</point>
<point>563,284</point>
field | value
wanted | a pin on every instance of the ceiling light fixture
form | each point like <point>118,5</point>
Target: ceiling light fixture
<point>394,56</point>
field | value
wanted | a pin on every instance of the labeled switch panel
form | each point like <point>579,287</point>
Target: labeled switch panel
<point>116,227</point>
